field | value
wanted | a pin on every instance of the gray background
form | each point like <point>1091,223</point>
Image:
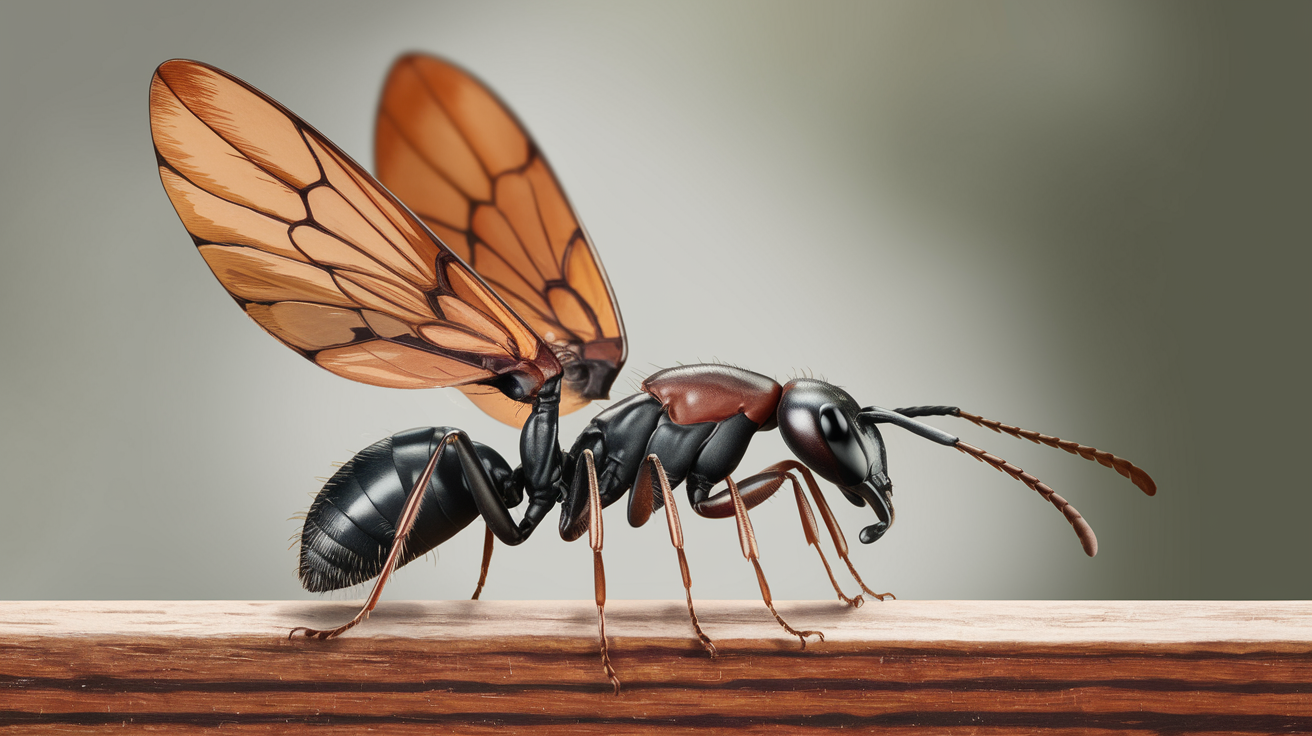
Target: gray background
<point>1088,219</point>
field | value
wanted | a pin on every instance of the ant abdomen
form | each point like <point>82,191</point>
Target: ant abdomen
<point>351,525</point>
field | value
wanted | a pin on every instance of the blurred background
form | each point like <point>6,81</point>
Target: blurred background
<point>1088,219</point>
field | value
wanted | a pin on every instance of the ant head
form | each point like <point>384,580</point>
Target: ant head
<point>821,424</point>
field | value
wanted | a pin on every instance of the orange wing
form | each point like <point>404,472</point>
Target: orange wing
<point>462,162</point>
<point>319,254</point>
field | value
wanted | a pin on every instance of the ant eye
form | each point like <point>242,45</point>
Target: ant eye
<point>849,459</point>
<point>833,425</point>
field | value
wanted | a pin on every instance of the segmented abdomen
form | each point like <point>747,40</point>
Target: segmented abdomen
<point>351,525</point>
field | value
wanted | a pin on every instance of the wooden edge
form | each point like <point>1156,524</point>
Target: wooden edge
<point>890,622</point>
<point>1131,668</point>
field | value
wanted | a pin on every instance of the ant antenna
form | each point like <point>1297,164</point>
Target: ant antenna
<point>903,418</point>
<point>1135,474</point>
<point>1082,529</point>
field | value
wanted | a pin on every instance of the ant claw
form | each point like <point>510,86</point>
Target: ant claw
<point>803,634</point>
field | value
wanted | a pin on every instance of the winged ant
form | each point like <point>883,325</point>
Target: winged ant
<point>485,280</point>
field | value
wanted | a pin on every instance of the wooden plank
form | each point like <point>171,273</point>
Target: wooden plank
<point>980,667</point>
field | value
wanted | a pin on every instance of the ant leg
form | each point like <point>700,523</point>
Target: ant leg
<point>642,493</point>
<point>598,570</point>
<point>407,520</point>
<point>747,538</point>
<point>812,532</point>
<point>757,489</point>
<point>835,531</point>
<point>488,539</point>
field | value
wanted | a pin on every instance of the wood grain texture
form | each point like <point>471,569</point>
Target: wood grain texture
<point>984,667</point>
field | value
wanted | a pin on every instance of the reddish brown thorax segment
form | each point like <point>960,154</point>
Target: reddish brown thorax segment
<point>692,394</point>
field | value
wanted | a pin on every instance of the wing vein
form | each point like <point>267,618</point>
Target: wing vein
<point>423,79</point>
<point>400,133</point>
<point>290,185</point>
<point>323,177</point>
<point>535,155</point>
<point>169,165</point>
<point>575,241</point>
<point>402,210</point>
<point>548,318</point>
<point>518,241</point>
